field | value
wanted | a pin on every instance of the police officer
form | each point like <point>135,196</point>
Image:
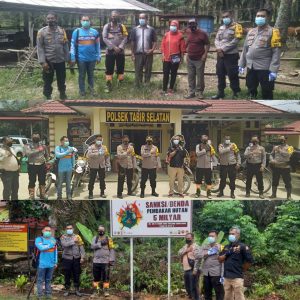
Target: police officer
<point>99,162</point>
<point>226,42</point>
<point>104,258</point>
<point>205,154</point>
<point>261,56</point>
<point>211,269</point>
<point>72,258</point>
<point>230,161</point>
<point>237,259</point>
<point>149,153</point>
<point>256,163</point>
<point>279,161</point>
<point>127,163</point>
<point>53,52</point>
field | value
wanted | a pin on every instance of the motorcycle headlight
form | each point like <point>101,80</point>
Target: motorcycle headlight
<point>81,163</point>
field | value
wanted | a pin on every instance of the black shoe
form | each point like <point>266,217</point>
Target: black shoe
<point>232,195</point>
<point>247,195</point>
<point>235,96</point>
<point>63,96</point>
<point>154,194</point>
<point>142,195</point>
<point>261,196</point>
<point>91,197</point>
<point>190,96</point>
<point>102,195</point>
<point>273,196</point>
<point>67,293</point>
<point>129,194</point>
<point>77,293</point>
<point>208,194</point>
<point>120,196</point>
<point>221,194</point>
<point>218,96</point>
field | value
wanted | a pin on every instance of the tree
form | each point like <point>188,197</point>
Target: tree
<point>283,18</point>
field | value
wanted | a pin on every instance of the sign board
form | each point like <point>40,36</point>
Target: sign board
<point>153,218</point>
<point>151,117</point>
<point>13,237</point>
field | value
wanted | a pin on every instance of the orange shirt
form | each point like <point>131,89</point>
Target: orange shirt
<point>172,43</point>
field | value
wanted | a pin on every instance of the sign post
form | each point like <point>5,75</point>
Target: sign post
<point>13,237</point>
<point>153,218</point>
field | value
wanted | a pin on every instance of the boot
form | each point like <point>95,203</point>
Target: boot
<point>221,194</point>
<point>289,194</point>
<point>208,193</point>
<point>142,195</point>
<point>31,193</point>
<point>232,195</point>
<point>154,193</point>
<point>261,195</point>
<point>274,192</point>
<point>43,192</point>
<point>220,95</point>
<point>77,293</point>
<point>198,193</point>
<point>102,195</point>
<point>247,194</point>
<point>67,293</point>
<point>63,96</point>
<point>91,196</point>
<point>108,88</point>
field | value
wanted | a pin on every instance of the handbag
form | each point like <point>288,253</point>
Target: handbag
<point>175,58</point>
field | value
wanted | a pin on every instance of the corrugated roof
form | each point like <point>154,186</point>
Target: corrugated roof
<point>83,4</point>
<point>238,107</point>
<point>50,108</point>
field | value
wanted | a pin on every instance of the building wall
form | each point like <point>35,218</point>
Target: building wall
<point>294,140</point>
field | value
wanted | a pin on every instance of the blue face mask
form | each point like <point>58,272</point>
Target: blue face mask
<point>260,21</point>
<point>231,238</point>
<point>211,240</point>
<point>69,231</point>
<point>173,28</point>
<point>66,144</point>
<point>47,234</point>
<point>85,24</point>
<point>226,21</point>
<point>142,22</point>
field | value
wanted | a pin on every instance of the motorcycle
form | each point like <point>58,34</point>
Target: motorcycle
<point>80,174</point>
<point>137,173</point>
<point>242,176</point>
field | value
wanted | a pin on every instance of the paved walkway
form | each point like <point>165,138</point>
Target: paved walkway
<point>162,189</point>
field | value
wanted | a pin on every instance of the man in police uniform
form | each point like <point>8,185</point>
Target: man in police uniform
<point>256,163</point>
<point>149,153</point>
<point>205,154</point>
<point>237,259</point>
<point>230,161</point>
<point>261,56</point>
<point>53,52</point>
<point>127,163</point>
<point>226,42</point>
<point>279,161</point>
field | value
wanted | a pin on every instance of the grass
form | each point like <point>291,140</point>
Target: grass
<point>29,86</point>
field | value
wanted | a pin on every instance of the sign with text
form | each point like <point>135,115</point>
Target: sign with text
<point>13,237</point>
<point>154,218</point>
<point>123,116</point>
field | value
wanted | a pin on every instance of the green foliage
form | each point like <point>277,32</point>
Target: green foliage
<point>285,280</point>
<point>262,290</point>
<point>85,232</point>
<point>21,282</point>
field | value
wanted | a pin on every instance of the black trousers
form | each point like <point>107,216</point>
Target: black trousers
<point>151,174</point>
<point>71,269</point>
<point>36,171</point>
<point>60,69</point>
<point>168,68</point>
<point>191,283</point>
<point>10,180</point>
<point>205,173</point>
<point>256,77</point>
<point>210,283</point>
<point>228,65</point>
<point>93,175</point>
<point>285,173</point>
<point>101,272</point>
<point>254,169</point>
<point>114,59</point>
<point>229,171</point>
<point>121,178</point>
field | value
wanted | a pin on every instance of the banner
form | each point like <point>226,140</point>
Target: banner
<point>154,218</point>
<point>123,116</point>
<point>13,237</point>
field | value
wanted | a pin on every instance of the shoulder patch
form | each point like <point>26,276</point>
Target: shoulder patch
<point>276,38</point>
<point>238,32</point>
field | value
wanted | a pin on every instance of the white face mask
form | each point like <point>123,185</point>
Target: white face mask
<point>176,142</point>
<point>227,142</point>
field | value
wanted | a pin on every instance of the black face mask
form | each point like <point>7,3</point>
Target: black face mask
<point>193,28</point>
<point>149,142</point>
<point>35,140</point>
<point>9,144</point>
<point>52,23</point>
<point>282,142</point>
<point>188,241</point>
<point>101,233</point>
<point>115,20</point>
<point>125,142</point>
<point>254,142</point>
<point>204,141</point>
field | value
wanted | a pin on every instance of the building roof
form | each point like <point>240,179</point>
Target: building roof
<point>289,129</point>
<point>50,108</point>
<point>25,118</point>
<point>292,106</point>
<point>79,5</point>
<point>137,103</point>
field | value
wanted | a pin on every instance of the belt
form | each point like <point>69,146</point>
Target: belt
<point>38,164</point>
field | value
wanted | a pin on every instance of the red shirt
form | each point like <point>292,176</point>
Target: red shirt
<point>195,43</point>
<point>172,43</point>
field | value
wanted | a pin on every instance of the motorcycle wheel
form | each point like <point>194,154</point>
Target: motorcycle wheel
<point>47,186</point>
<point>135,181</point>
<point>267,179</point>
<point>215,181</point>
<point>75,183</point>
<point>186,184</point>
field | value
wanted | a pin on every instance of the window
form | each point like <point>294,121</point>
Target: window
<point>24,141</point>
<point>16,142</point>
